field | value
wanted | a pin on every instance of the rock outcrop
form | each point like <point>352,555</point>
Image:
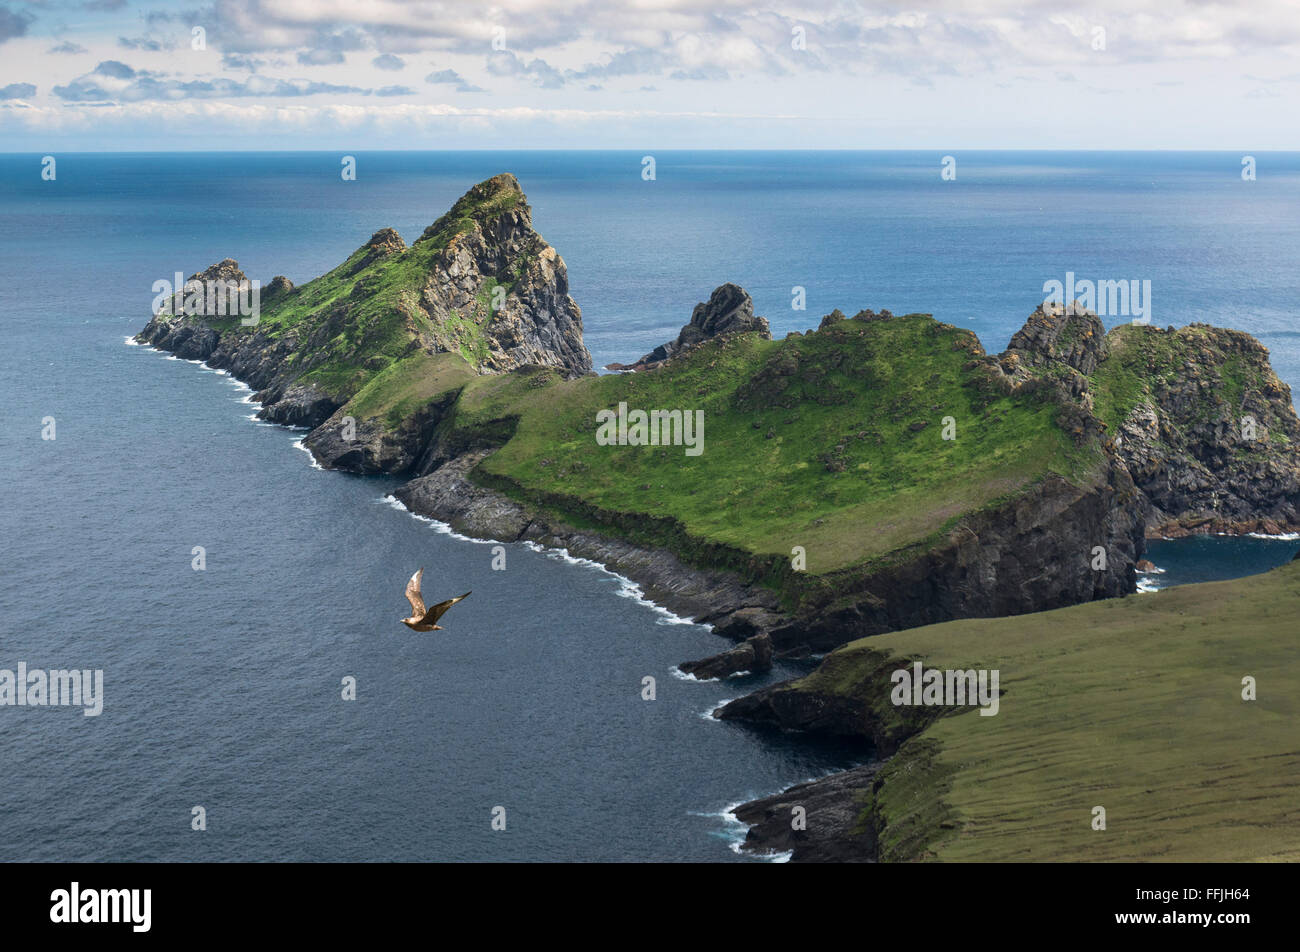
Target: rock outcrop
<point>533,320</point>
<point>836,824</point>
<point>752,656</point>
<point>1059,335</point>
<point>729,310</point>
<point>1213,442</point>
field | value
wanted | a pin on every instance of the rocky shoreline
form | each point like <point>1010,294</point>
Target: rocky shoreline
<point>733,607</point>
<point>819,821</point>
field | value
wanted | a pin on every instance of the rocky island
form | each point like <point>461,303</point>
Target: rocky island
<point>879,474</point>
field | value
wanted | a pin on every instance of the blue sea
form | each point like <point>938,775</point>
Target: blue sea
<point>222,687</point>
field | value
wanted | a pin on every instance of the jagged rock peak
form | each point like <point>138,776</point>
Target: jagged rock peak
<point>729,310</point>
<point>487,200</point>
<point>1072,335</point>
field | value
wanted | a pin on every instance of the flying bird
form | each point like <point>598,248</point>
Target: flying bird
<point>425,619</point>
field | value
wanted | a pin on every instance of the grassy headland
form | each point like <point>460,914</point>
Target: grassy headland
<point>1134,705</point>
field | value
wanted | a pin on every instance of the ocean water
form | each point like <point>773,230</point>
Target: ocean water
<point>222,686</point>
<point>1213,558</point>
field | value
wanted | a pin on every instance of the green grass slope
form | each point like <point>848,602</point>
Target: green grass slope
<point>831,441</point>
<point>1133,704</point>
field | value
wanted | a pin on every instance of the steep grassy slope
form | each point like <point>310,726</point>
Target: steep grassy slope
<point>359,318</point>
<point>1132,704</point>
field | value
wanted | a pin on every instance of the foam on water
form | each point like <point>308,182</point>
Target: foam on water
<point>681,675</point>
<point>707,714</point>
<point>436,524</point>
<point>734,832</point>
<point>626,587</point>
<point>299,445</point>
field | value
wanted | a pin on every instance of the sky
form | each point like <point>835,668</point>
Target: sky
<point>107,75</point>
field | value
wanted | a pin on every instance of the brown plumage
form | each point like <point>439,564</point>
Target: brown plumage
<point>425,619</point>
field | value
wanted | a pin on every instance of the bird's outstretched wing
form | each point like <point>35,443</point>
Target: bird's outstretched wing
<point>438,610</point>
<point>413,595</point>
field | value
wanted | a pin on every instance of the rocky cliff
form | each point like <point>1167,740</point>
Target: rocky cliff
<point>1206,429</point>
<point>479,283</point>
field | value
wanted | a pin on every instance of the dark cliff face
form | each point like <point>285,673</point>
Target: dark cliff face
<point>479,282</point>
<point>1056,545</point>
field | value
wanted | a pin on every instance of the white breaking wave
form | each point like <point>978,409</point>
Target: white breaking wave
<point>681,675</point>
<point>298,444</point>
<point>717,705</point>
<point>734,832</point>
<point>1280,537</point>
<point>626,587</point>
<point>772,857</point>
<point>436,524</point>
<point>132,342</point>
<point>1146,586</point>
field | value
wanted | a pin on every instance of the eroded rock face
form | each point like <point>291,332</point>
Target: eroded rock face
<point>1210,454</point>
<point>537,321</point>
<point>1033,554</point>
<point>1055,334</point>
<point>372,446</point>
<point>729,310</point>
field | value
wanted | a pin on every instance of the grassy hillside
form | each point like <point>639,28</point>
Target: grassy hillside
<point>1133,704</point>
<point>832,441</point>
<point>365,316</point>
